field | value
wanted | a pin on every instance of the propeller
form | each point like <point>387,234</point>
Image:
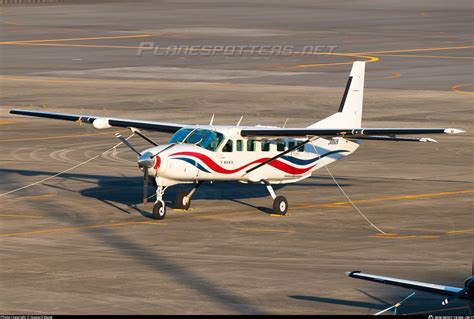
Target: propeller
<point>395,306</point>
<point>145,161</point>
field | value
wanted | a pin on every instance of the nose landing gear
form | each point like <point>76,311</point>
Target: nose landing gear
<point>159,209</point>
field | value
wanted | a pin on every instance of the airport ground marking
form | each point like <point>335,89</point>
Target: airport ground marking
<point>417,50</point>
<point>427,56</point>
<point>82,39</point>
<point>2,122</point>
<point>66,229</point>
<point>387,198</point>
<point>456,88</point>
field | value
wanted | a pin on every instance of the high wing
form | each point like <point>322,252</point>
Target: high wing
<point>437,289</point>
<point>375,133</point>
<point>104,122</point>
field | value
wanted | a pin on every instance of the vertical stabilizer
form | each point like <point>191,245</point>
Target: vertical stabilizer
<point>349,114</point>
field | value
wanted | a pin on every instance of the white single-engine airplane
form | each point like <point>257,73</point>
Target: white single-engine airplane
<point>249,154</point>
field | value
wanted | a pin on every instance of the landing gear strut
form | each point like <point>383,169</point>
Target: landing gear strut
<point>183,199</point>
<point>280,204</point>
<point>159,209</point>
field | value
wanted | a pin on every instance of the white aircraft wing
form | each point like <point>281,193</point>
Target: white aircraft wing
<point>104,122</point>
<point>374,133</point>
<point>437,289</point>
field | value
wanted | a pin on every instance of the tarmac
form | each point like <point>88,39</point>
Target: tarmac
<point>83,243</point>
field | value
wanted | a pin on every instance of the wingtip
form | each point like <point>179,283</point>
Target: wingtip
<point>427,139</point>
<point>350,273</point>
<point>453,131</point>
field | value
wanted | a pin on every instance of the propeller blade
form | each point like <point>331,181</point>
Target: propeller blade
<point>124,141</point>
<point>145,186</point>
<point>144,137</point>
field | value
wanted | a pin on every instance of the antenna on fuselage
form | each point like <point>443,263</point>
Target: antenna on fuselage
<point>212,120</point>
<point>238,123</point>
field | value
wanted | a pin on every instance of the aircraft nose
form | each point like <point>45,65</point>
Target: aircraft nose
<point>146,160</point>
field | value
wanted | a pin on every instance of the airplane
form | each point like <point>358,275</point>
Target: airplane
<point>451,293</point>
<point>248,154</point>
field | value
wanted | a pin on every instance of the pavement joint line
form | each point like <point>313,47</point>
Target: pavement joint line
<point>20,216</point>
<point>268,230</point>
<point>65,229</point>
<point>59,137</point>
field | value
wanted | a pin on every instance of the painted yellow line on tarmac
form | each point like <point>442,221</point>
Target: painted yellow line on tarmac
<point>453,232</point>
<point>75,45</point>
<point>395,236</point>
<point>390,198</point>
<point>443,233</point>
<point>268,230</point>
<point>20,216</point>
<point>6,122</point>
<point>55,230</point>
<point>83,39</point>
<point>416,50</point>
<point>457,89</point>
<point>428,56</point>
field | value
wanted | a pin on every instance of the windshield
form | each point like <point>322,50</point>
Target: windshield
<point>207,139</point>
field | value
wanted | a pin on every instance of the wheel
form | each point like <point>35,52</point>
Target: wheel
<point>182,202</point>
<point>159,210</point>
<point>280,205</point>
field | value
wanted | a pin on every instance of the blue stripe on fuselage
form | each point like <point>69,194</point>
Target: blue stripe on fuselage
<point>299,161</point>
<point>192,162</point>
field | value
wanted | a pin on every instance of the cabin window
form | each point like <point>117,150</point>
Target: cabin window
<point>301,148</point>
<point>228,146</point>
<point>280,145</point>
<point>250,145</point>
<point>265,145</point>
<point>291,144</point>
<point>239,145</point>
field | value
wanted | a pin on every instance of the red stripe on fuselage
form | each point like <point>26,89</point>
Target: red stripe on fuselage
<point>275,163</point>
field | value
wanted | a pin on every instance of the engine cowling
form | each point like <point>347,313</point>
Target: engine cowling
<point>101,123</point>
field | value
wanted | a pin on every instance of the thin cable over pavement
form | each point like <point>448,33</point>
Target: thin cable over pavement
<point>347,196</point>
<point>65,171</point>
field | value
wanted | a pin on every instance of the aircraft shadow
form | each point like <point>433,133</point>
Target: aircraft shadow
<point>124,190</point>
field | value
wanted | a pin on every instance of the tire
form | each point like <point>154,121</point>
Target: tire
<point>280,205</point>
<point>159,210</point>
<point>180,201</point>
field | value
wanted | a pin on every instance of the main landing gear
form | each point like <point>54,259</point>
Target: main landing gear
<point>280,204</point>
<point>183,199</point>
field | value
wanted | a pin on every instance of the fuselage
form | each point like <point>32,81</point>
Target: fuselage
<point>213,153</point>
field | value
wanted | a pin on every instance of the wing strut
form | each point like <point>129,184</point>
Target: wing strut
<point>281,154</point>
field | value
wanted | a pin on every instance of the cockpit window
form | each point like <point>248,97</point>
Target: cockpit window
<point>207,139</point>
<point>180,135</point>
